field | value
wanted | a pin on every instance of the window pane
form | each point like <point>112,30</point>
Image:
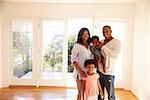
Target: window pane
<point>52,52</point>
<point>53,26</point>
<point>22,49</point>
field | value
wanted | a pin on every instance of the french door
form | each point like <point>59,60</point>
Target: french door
<point>24,54</point>
<point>38,52</point>
<point>41,49</point>
<point>52,57</point>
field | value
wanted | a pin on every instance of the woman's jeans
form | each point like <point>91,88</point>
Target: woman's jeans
<point>108,82</point>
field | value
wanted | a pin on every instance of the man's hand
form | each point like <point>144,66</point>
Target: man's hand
<point>100,44</point>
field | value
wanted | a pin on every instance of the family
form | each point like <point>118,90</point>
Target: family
<point>94,64</point>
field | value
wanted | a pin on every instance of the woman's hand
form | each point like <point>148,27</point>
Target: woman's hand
<point>82,73</point>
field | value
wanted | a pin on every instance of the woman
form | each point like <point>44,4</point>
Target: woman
<point>80,53</point>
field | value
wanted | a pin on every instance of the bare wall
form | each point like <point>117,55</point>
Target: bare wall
<point>0,44</point>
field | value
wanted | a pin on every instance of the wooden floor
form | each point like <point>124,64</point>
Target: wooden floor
<point>51,93</point>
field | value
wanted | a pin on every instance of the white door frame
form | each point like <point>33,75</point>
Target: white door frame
<point>37,57</point>
<point>42,82</point>
<point>18,81</point>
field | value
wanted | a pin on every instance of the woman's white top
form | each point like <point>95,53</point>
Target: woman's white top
<point>79,54</point>
<point>110,51</point>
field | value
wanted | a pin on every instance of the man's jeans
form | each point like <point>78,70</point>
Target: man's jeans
<point>108,82</point>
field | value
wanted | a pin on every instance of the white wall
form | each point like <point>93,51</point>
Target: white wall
<point>55,11</point>
<point>149,47</point>
<point>140,68</point>
<point>73,1</point>
<point>0,45</point>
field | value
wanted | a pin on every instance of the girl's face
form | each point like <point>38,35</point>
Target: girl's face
<point>85,36</point>
<point>90,68</point>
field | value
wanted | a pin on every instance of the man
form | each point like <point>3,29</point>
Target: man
<point>110,48</point>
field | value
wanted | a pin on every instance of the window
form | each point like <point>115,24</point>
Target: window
<point>47,51</point>
<point>52,52</point>
<point>22,49</point>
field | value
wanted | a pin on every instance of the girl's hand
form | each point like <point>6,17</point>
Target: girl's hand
<point>102,95</point>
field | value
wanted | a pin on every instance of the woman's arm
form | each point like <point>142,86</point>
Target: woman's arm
<point>82,73</point>
<point>75,58</point>
<point>77,66</point>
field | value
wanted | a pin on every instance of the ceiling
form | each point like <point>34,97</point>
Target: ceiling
<point>74,1</point>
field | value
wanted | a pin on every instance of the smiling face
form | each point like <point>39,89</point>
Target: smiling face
<point>85,36</point>
<point>90,68</point>
<point>107,32</point>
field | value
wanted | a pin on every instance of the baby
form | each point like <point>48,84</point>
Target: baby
<point>96,50</point>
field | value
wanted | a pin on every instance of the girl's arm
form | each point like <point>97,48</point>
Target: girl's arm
<point>100,89</point>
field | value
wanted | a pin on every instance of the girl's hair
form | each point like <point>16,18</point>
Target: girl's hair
<point>89,61</point>
<point>80,34</point>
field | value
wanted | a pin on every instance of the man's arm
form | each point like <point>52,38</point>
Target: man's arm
<point>114,51</point>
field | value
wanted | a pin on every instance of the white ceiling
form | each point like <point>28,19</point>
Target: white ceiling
<point>74,1</point>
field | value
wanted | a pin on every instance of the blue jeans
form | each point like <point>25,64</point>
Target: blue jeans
<point>108,82</point>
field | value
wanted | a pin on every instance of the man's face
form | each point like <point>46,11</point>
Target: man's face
<point>107,32</point>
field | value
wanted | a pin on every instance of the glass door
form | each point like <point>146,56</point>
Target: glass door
<point>41,50</point>
<point>53,57</point>
<point>22,72</point>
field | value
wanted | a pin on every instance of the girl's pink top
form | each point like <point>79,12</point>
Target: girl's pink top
<point>91,86</point>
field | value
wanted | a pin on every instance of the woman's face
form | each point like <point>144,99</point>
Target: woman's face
<point>85,36</point>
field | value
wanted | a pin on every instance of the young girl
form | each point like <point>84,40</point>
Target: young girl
<point>92,85</point>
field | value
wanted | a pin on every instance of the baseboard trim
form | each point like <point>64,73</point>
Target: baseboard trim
<point>134,95</point>
<point>40,87</point>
